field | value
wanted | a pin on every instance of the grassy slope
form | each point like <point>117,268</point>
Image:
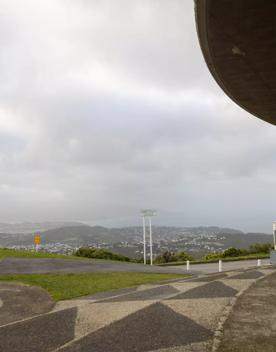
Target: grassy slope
<point>66,286</point>
<point>4,252</point>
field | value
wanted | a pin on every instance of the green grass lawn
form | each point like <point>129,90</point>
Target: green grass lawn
<point>6,252</point>
<point>66,286</point>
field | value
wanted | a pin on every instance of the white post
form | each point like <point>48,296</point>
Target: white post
<point>259,262</point>
<point>144,239</point>
<point>220,266</point>
<point>188,265</point>
<point>150,232</point>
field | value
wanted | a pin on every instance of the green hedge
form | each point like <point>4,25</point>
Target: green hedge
<point>100,253</point>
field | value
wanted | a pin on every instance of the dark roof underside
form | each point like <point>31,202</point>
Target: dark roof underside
<point>238,41</point>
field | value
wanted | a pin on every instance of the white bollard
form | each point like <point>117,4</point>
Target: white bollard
<point>220,266</point>
<point>259,263</point>
<point>188,265</point>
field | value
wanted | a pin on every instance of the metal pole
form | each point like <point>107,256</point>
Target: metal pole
<point>150,240</point>
<point>274,230</point>
<point>144,239</point>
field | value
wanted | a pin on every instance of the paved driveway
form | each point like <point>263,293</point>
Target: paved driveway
<point>46,265</point>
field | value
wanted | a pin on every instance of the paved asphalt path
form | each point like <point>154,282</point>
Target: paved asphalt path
<point>178,316</point>
<point>46,265</point>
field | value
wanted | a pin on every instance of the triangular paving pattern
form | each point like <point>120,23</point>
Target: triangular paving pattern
<point>151,294</point>
<point>209,278</point>
<point>149,329</point>
<point>210,290</point>
<point>186,286</point>
<point>91,317</point>
<point>237,284</point>
<point>42,333</point>
<point>252,274</point>
<point>204,311</point>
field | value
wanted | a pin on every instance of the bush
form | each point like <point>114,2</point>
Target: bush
<point>212,256</point>
<point>168,257</point>
<point>260,248</point>
<point>182,256</point>
<point>165,257</point>
<point>100,253</point>
<point>231,252</point>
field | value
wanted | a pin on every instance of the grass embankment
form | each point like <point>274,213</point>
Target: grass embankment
<point>67,286</point>
<point>7,252</point>
<point>227,259</point>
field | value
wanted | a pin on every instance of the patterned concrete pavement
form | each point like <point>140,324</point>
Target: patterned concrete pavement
<point>20,302</point>
<point>183,315</point>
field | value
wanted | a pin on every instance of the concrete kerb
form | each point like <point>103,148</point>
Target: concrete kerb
<point>218,334</point>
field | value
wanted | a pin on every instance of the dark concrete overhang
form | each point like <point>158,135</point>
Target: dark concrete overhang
<point>238,41</point>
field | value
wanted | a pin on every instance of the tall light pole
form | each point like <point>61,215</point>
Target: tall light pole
<point>144,239</point>
<point>147,213</point>
<point>150,235</point>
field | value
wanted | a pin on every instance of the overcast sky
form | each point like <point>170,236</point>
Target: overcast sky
<point>107,107</point>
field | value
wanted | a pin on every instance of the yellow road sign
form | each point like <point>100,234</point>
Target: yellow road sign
<point>37,239</point>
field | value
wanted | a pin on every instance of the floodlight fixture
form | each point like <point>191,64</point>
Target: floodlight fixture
<point>148,212</point>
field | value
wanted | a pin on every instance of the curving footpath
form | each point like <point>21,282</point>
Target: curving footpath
<point>200,314</point>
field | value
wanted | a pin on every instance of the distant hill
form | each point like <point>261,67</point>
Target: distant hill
<point>76,235</point>
<point>82,234</point>
<point>30,227</point>
<point>247,239</point>
<point>128,240</point>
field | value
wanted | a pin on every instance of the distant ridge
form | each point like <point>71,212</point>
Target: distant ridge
<point>27,227</point>
<point>76,234</point>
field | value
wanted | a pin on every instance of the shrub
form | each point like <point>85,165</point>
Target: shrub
<point>212,256</point>
<point>166,257</point>
<point>260,248</point>
<point>100,253</point>
<point>231,252</point>
<point>181,256</point>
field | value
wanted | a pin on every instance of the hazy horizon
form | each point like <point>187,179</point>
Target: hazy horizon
<point>108,107</point>
<point>124,224</point>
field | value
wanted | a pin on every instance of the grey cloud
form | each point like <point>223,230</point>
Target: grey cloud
<point>107,107</point>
